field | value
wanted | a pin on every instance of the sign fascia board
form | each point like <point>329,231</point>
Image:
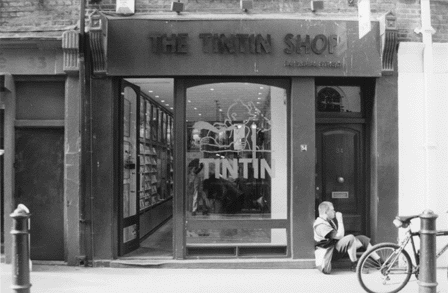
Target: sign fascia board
<point>131,50</point>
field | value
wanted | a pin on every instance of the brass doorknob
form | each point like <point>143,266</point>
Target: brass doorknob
<point>341,179</point>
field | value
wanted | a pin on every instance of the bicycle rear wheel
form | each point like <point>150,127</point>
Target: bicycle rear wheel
<point>389,275</point>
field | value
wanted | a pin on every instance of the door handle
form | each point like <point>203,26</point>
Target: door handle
<point>341,179</point>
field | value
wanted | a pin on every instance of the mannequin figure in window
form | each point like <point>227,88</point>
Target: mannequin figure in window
<point>224,195</point>
<point>195,189</point>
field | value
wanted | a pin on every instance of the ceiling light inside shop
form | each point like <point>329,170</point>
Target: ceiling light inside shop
<point>157,96</point>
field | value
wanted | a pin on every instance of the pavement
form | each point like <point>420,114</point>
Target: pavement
<point>61,279</point>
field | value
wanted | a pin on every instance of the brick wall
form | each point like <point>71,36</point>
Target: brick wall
<point>56,14</point>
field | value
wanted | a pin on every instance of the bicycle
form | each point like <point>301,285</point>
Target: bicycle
<point>392,271</point>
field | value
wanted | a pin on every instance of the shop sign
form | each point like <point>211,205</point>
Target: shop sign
<point>243,44</point>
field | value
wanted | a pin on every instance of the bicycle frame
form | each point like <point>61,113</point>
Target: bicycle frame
<point>442,233</point>
<point>410,237</point>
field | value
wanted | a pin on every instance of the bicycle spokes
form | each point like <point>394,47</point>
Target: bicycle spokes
<point>389,273</point>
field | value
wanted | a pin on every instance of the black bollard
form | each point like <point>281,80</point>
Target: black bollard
<point>428,274</point>
<point>20,250</point>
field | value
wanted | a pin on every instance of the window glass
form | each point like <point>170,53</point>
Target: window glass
<point>342,99</point>
<point>236,151</point>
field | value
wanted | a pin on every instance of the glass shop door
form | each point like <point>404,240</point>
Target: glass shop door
<point>129,205</point>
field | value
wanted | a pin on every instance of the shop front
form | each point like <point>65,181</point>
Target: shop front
<point>215,138</point>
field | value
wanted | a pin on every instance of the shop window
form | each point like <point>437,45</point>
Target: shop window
<point>236,152</point>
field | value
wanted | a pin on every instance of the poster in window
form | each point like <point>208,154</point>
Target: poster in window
<point>164,126</point>
<point>126,117</point>
<point>126,200</point>
<point>171,130</point>
<point>160,127</point>
<point>168,130</point>
<point>154,129</point>
<point>126,156</point>
<point>148,120</point>
<point>142,118</point>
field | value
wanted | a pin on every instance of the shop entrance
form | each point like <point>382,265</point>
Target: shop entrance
<point>341,110</point>
<point>146,195</point>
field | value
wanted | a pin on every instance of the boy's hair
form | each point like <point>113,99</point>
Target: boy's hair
<point>324,207</point>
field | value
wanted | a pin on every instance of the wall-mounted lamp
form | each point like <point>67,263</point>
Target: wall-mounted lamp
<point>317,5</point>
<point>177,7</point>
<point>246,5</point>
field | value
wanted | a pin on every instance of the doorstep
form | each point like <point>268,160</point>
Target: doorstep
<point>207,263</point>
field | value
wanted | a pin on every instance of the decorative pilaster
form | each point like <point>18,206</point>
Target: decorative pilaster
<point>70,48</point>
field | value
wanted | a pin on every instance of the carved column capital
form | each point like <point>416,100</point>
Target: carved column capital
<point>97,45</point>
<point>70,49</point>
<point>389,40</point>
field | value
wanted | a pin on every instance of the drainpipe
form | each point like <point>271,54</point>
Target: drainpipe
<point>427,31</point>
<point>83,137</point>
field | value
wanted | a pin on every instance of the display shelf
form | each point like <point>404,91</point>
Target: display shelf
<point>155,154</point>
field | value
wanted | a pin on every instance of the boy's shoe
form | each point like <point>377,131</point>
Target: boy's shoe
<point>353,266</point>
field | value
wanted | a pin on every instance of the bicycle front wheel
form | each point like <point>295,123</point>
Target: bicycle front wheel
<point>388,274</point>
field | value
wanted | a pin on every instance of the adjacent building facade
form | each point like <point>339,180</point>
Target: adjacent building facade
<point>173,139</point>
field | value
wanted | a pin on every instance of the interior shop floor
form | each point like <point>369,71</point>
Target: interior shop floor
<point>158,244</point>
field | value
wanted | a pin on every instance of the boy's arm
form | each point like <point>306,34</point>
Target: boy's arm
<point>341,229</point>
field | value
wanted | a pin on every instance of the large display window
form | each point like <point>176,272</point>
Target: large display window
<point>236,167</point>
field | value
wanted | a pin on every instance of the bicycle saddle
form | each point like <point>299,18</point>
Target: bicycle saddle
<point>405,219</point>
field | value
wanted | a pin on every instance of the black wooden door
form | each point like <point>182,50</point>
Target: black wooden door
<point>340,174</point>
<point>39,184</point>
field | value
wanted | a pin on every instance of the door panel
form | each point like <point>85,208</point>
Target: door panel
<point>340,173</point>
<point>39,185</point>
